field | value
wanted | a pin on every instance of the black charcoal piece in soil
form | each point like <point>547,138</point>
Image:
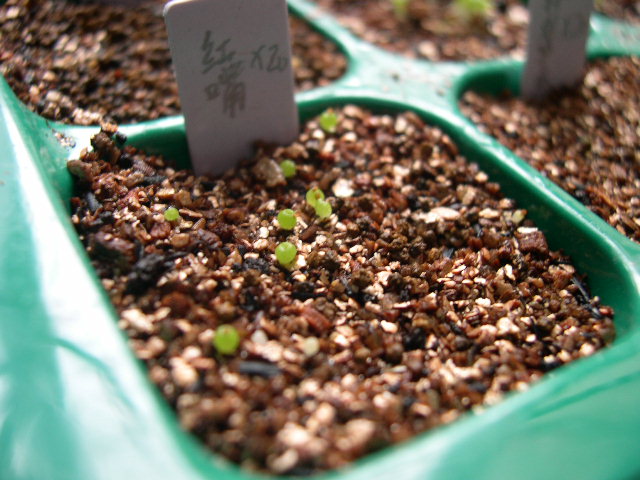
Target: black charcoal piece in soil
<point>84,62</point>
<point>146,271</point>
<point>261,369</point>
<point>349,348</point>
<point>92,202</point>
<point>585,140</point>
<point>304,291</point>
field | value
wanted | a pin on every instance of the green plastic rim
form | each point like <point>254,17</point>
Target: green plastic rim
<point>76,404</point>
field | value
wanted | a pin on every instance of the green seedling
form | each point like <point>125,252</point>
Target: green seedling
<point>226,339</point>
<point>400,9</point>
<point>474,9</point>
<point>314,195</point>
<point>287,219</point>
<point>285,253</point>
<point>323,209</point>
<point>288,168</point>
<point>171,214</point>
<point>328,121</point>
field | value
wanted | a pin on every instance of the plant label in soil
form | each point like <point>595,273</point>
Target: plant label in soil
<point>232,61</point>
<point>558,32</point>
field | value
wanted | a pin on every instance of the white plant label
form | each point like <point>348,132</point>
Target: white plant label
<point>232,60</point>
<point>556,50</point>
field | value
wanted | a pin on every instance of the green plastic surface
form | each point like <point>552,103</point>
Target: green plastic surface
<point>76,404</point>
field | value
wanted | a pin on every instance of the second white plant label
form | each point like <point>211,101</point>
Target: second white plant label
<point>558,32</point>
<point>232,61</point>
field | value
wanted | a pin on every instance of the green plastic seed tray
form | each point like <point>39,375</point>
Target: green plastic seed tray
<point>76,404</point>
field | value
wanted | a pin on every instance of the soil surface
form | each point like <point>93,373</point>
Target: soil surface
<point>79,62</point>
<point>587,141</point>
<point>436,30</point>
<point>440,30</point>
<point>424,295</point>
